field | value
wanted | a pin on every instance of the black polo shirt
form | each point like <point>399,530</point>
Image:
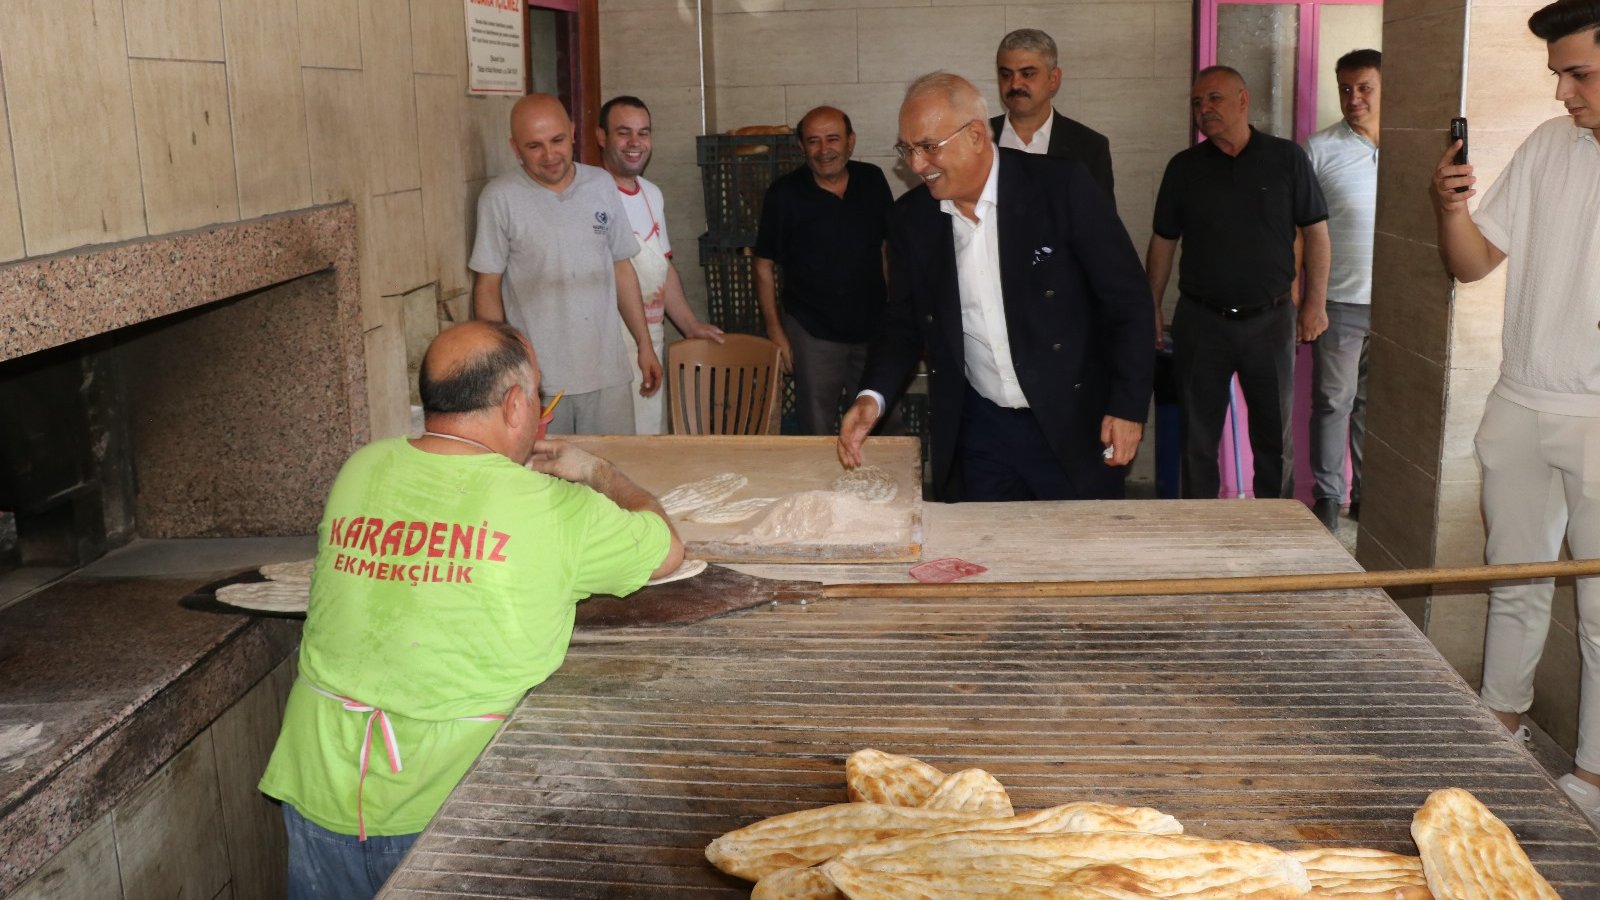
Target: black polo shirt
<point>1237,217</point>
<point>831,250</point>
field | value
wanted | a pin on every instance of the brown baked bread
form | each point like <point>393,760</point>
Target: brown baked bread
<point>872,776</point>
<point>971,790</point>
<point>796,884</point>
<point>1355,873</point>
<point>1469,854</point>
<point>762,129</point>
<point>1109,864</point>
<point>810,836</point>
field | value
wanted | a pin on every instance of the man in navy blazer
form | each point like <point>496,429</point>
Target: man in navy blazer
<point>1029,77</point>
<point>1016,277</point>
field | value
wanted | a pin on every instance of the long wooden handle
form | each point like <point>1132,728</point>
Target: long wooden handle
<point>1243,584</point>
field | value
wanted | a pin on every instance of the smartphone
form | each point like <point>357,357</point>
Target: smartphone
<point>1458,132</point>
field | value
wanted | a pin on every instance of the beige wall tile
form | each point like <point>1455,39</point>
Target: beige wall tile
<point>1400,11</point>
<point>1172,40</point>
<point>185,144</point>
<point>77,164</point>
<point>737,107</point>
<point>1478,314</point>
<point>330,34</point>
<point>175,816</point>
<point>1411,296</point>
<point>1423,54</point>
<point>10,211</point>
<point>1138,115</point>
<point>391,95</point>
<point>1403,207</point>
<point>1460,535</point>
<point>607,7</point>
<point>747,6</point>
<point>268,104</point>
<point>387,389</point>
<point>1456,626</point>
<point>854,4</point>
<point>897,46</point>
<point>1397,504</point>
<point>1467,392</point>
<point>174,29</point>
<point>243,739</point>
<point>395,242</point>
<point>336,105</point>
<point>651,47</point>
<point>486,136</point>
<point>1094,40</point>
<point>787,48</point>
<point>420,311</point>
<point>1506,71</point>
<point>1405,403</point>
<point>438,38</point>
<point>444,189</point>
<point>1555,685</point>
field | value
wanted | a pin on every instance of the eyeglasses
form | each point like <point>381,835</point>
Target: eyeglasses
<point>926,149</point>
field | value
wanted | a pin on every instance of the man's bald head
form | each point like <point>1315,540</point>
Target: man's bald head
<point>541,136</point>
<point>470,367</point>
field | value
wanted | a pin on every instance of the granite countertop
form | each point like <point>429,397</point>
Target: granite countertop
<point>102,680</point>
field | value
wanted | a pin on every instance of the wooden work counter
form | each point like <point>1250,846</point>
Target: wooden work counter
<point>1296,719</point>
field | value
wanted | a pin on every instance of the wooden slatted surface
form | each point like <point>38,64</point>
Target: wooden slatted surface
<point>1309,719</point>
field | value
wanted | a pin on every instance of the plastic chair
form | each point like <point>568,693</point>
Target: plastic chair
<point>728,388</point>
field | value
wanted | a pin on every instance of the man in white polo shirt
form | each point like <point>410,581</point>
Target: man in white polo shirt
<point>1344,157</point>
<point>1539,443</point>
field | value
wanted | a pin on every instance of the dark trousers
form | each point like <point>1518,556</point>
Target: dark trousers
<point>827,373</point>
<point>1003,455</point>
<point>1208,350</point>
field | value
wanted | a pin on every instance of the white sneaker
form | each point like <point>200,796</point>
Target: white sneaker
<point>1584,794</point>
<point>1522,734</point>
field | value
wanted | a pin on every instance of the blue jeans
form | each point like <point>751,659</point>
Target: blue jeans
<point>326,865</point>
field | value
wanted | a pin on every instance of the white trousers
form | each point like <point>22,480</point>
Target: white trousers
<point>1541,480</point>
<point>649,413</point>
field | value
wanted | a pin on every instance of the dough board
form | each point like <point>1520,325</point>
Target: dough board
<point>776,467</point>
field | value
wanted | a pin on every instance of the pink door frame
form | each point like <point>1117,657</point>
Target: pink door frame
<point>1235,457</point>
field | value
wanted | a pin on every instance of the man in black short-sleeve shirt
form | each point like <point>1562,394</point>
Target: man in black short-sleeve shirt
<point>1238,201</point>
<point>825,224</point>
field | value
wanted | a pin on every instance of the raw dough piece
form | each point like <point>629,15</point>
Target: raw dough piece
<point>299,570</point>
<point>689,569</point>
<point>267,596</point>
<point>730,511</point>
<point>871,483</point>
<point>687,497</point>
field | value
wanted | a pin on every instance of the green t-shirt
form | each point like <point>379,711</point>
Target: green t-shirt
<point>445,588</point>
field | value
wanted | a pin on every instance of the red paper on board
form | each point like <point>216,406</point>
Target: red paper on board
<point>946,570</point>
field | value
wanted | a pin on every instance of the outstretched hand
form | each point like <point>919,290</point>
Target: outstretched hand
<point>566,462</point>
<point>853,430</point>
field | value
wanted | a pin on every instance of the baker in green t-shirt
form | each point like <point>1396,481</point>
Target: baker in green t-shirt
<point>446,579</point>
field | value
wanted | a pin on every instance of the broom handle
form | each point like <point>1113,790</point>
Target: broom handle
<point>1243,584</point>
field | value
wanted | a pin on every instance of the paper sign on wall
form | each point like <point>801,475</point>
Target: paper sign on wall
<point>495,47</point>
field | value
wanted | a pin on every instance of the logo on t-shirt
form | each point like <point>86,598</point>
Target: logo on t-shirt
<point>601,219</point>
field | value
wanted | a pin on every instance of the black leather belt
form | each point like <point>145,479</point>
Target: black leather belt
<point>1235,312</point>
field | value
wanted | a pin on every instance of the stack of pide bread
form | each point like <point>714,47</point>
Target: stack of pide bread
<point>911,831</point>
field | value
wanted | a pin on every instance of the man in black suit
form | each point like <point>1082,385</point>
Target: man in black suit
<point>1015,275</point>
<point>1029,79</point>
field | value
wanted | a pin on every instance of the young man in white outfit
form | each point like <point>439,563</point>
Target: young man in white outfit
<point>625,147</point>
<point>1539,443</point>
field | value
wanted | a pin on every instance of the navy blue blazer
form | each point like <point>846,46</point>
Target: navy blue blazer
<point>1077,306</point>
<point>1071,139</point>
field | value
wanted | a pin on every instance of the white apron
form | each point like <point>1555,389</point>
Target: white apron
<point>652,267</point>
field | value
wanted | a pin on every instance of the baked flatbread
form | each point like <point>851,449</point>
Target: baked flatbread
<point>1354,873</point>
<point>695,494</point>
<point>1468,854</point>
<point>971,790</point>
<point>810,836</point>
<point>267,596</point>
<point>795,884</point>
<point>873,776</point>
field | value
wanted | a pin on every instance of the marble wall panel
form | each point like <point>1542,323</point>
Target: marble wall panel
<point>330,34</point>
<point>391,95</point>
<point>395,256</point>
<point>1172,40</point>
<point>11,246</point>
<point>336,103</point>
<point>1461,531</point>
<point>443,187</point>
<point>174,29</point>
<point>1556,682</point>
<point>1138,115</point>
<point>267,100</point>
<point>419,311</point>
<point>388,390</point>
<point>652,47</point>
<point>1456,627</point>
<point>737,107</point>
<point>1397,505</point>
<point>87,867</point>
<point>897,47</point>
<point>73,143</point>
<point>486,137</point>
<point>1094,40</point>
<point>438,38</point>
<point>1406,402</point>
<point>1422,60</point>
<point>185,143</point>
<point>1411,296</point>
<point>785,48</point>
<point>175,817</point>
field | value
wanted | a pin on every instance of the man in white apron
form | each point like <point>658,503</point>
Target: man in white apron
<point>624,135</point>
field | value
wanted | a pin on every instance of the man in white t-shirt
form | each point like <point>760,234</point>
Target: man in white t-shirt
<point>1344,157</point>
<point>1541,426</point>
<point>625,147</point>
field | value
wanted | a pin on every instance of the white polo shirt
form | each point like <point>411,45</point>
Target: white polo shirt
<point>1346,165</point>
<point>1544,212</point>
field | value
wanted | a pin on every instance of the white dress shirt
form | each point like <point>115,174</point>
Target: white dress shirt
<point>1041,138</point>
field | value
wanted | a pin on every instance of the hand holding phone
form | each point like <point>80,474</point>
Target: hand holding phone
<point>1458,132</point>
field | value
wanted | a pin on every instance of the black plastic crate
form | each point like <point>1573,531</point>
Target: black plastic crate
<point>735,170</point>
<point>731,302</point>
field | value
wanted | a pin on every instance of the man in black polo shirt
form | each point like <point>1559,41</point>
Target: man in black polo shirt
<point>1237,201</point>
<point>825,224</point>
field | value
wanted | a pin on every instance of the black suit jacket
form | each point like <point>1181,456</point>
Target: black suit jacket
<point>1070,139</point>
<point>1077,311</point>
